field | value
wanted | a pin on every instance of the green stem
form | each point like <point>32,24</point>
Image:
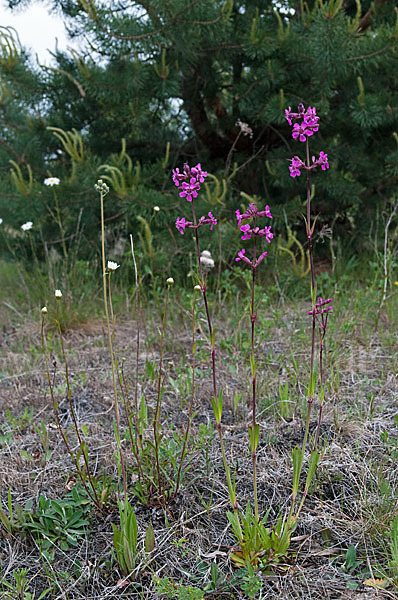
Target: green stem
<point>192,396</point>
<point>156,420</point>
<point>117,416</point>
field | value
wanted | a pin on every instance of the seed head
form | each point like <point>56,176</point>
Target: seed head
<point>101,187</point>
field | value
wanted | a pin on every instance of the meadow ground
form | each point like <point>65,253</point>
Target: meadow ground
<point>345,544</point>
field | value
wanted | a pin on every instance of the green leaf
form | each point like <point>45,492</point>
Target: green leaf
<point>149,539</point>
<point>313,463</point>
<point>254,435</point>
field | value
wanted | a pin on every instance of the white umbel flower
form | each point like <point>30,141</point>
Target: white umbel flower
<point>26,226</point>
<point>112,266</point>
<point>1,220</point>
<point>156,208</point>
<point>44,310</point>
<point>58,294</point>
<point>170,281</point>
<point>197,288</point>
<point>51,181</point>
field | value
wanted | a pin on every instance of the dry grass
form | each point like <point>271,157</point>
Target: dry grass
<point>352,501</point>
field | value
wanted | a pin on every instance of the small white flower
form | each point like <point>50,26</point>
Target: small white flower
<point>156,208</point>
<point>197,288</point>
<point>51,181</point>
<point>44,310</point>
<point>26,226</point>
<point>170,281</point>
<point>58,294</point>
<point>112,266</point>
<point>1,220</point>
<point>206,253</point>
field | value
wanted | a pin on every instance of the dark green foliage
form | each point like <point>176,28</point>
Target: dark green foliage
<point>172,79</point>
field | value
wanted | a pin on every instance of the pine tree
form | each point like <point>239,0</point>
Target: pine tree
<point>183,77</point>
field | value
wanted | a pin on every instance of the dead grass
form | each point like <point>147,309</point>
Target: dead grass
<point>347,505</point>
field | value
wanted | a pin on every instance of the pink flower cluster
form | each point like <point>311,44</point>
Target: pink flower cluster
<point>190,180</point>
<point>302,131</point>
<point>182,223</point>
<point>248,231</point>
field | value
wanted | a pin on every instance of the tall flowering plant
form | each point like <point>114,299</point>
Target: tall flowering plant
<point>305,123</point>
<point>188,181</point>
<point>252,230</point>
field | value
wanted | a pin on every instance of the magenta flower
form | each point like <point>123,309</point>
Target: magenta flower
<point>177,176</point>
<point>190,190</point>
<point>248,231</point>
<point>260,258</point>
<point>323,161</point>
<point>295,167</point>
<point>213,221</point>
<point>288,115</point>
<point>252,213</point>
<point>181,223</point>
<point>266,232</point>
<point>194,175</point>
<point>206,221</point>
<point>306,129</point>
<point>198,173</point>
<point>241,256</point>
<point>245,229</point>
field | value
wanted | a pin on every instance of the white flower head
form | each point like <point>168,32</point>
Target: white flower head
<point>170,281</point>
<point>58,294</point>
<point>156,208</point>
<point>112,266</point>
<point>1,220</point>
<point>206,260</point>
<point>26,226</point>
<point>197,288</point>
<point>51,181</point>
<point>44,310</point>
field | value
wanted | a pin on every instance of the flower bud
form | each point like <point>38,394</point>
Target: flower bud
<point>58,294</point>
<point>44,310</point>
<point>170,281</point>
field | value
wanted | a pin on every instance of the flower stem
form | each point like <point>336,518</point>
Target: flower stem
<point>110,345</point>
<point>254,422</point>
<point>183,451</point>
<point>156,419</point>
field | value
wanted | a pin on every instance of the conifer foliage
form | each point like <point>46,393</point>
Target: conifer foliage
<point>158,82</point>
